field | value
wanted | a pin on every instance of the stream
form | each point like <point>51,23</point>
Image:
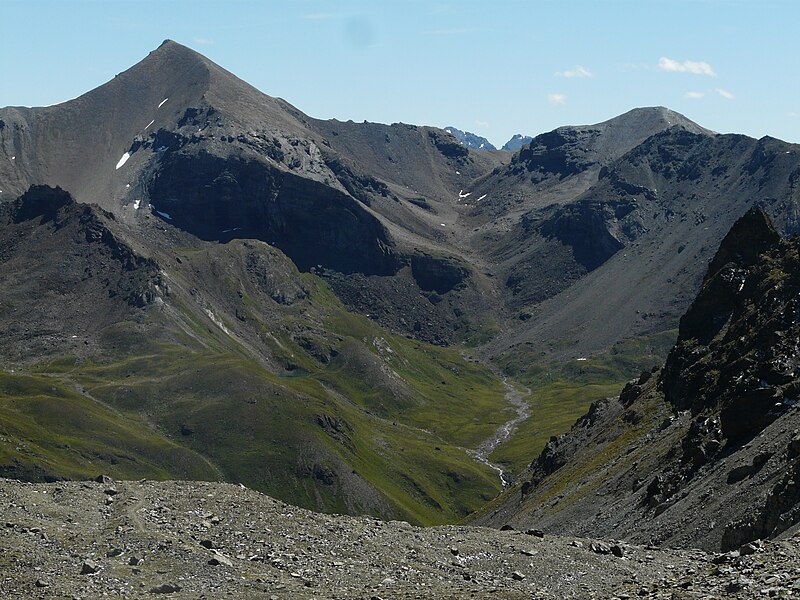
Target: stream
<point>517,398</point>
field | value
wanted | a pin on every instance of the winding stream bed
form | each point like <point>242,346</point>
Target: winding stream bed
<point>518,399</point>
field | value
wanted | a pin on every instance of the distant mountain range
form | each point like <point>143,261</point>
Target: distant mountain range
<point>473,140</point>
<point>470,140</point>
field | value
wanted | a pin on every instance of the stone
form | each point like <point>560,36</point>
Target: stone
<point>535,532</point>
<point>720,559</point>
<point>747,549</point>
<point>617,551</point>
<point>114,552</point>
<point>89,567</point>
<point>220,559</point>
<point>111,491</point>
<point>42,583</point>
<point>135,560</point>
<point>103,479</point>
<point>517,576</point>
<point>166,588</point>
<point>207,544</point>
<point>454,551</point>
<point>506,527</point>
<point>599,548</point>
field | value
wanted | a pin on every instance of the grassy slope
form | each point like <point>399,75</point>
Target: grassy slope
<point>48,428</point>
<point>177,393</point>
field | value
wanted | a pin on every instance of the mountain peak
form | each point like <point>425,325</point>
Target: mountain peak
<point>654,118</point>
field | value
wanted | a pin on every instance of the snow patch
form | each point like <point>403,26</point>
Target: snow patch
<point>160,104</point>
<point>581,358</point>
<point>137,203</point>
<point>150,123</point>
<point>229,230</point>
<point>442,224</point>
<point>163,214</point>
<point>13,158</point>
<point>123,160</point>
<point>462,195</point>
<point>481,198</point>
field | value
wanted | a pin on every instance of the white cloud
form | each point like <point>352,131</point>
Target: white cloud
<point>201,41</point>
<point>576,71</point>
<point>482,124</point>
<point>792,113</point>
<point>556,99</point>
<point>724,93</point>
<point>687,66</point>
<point>694,95</point>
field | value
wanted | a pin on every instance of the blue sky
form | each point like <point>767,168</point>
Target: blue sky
<point>494,67</point>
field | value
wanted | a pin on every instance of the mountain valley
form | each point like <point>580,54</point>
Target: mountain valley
<point>201,283</point>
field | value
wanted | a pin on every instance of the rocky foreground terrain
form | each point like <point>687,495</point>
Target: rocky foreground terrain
<point>211,540</point>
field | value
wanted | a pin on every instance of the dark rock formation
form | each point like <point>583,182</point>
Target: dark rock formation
<point>312,223</point>
<point>438,274</point>
<point>448,145</point>
<point>583,227</point>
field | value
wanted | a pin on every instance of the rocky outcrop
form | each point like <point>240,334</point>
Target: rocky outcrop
<point>557,153</point>
<point>439,274</point>
<point>584,228</point>
<point>731,356</point>
<point>449,146</point>
<point>127,274</point>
